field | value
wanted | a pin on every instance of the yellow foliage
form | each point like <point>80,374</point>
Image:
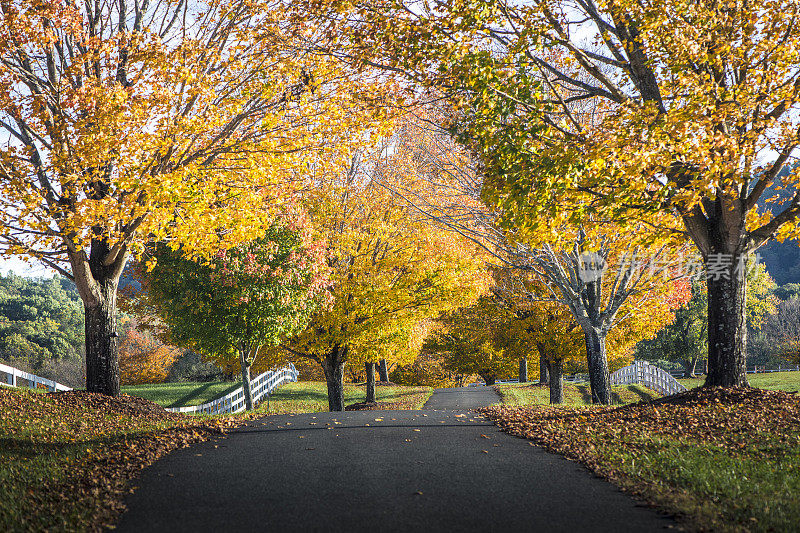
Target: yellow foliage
<point>195,135</point>
<point>392,270</point>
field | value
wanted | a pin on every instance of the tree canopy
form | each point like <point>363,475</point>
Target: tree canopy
<point>391,269</point>
<point>246,297</point>
<point>40,320</point>
<point>679,115</point>
<point>128,121</point>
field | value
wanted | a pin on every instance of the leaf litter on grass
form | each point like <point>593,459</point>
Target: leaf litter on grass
<point>68,457</point>
<point>724,458</point>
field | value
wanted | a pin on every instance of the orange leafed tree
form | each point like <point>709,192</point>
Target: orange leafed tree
<point>391,269</point>
<point>550,321</point>
<point>129,120</point>
<point>694,108</point>
<point>469,341</point>
<point>610,283</point>
<point>145,359</point>
<point>635,272</point>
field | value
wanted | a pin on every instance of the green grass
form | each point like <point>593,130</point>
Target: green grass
<point>755,489</point>
<point>521,394</point>
<point>301,397</point>
<point>787,381</point>
<point>312,397</point>
<point>182,394</point>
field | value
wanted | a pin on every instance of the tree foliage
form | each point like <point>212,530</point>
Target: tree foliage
<point>131,121</point>
<point>143,357</point>
<point>468,341</point>
<point>40,320</point>
<point>662,112</point>
<point>391,270</point>
<point>243,298</point>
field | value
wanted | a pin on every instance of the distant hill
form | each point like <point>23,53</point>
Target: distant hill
<point>782,259</point>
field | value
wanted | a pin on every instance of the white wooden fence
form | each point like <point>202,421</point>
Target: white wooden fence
<point>15,377</point>
<point>233,402</point>
<point>755,369</point>
<point>648,375</point>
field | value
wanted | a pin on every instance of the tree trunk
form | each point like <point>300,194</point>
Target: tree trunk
<point>333,365</point>
<point>543,375</point>
<point>102,359</point>
<point>523,369</point>
<point>599,378</point>
<point>383,370</point>
<point>489,378</point>
<point>370,382</point>
<point>245,364</point>
<point>727,329</point>
<point>96,277</point>
<point>690,366</point>
<point>556,384</point>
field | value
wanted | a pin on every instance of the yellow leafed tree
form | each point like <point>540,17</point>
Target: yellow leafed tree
<point>692,110</point>
<point>128,121</point>
<point>391,270</point>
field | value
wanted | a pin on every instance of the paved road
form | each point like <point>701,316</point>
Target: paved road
<point>462,398</point>
<point>432,470</point>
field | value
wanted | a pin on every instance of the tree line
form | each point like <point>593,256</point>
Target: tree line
<point>368,171</point>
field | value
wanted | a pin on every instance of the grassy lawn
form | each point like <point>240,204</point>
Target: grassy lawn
<point>788,381</point>
<point>521,394</point>
<point>66,458</point>
<point>300,397</point>
<point>184,393</point>
<point>312,396</point>
<point>720,460</point>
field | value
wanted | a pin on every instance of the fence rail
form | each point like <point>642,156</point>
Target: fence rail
<point>19,378</point>
<point>233,402</point>
<point>650,376</point>
<point>756,369</point>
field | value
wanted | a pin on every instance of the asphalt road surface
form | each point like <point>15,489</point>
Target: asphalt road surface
<point>441,469</point>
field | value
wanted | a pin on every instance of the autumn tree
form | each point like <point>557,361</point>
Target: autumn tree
<point>686,339</point>
<point>390,268</point>
<point>545,328</point>
<point>468,341</point>
<point>694,107</point>
<point>426,370</point>
<point>246,297</point>
<point>535,322</point>
<point>143,357</point>
<point>558,339</point>
<point>399,343</point>
<point>632,269</point>
<point>131,121</point>
<point>614,287</point>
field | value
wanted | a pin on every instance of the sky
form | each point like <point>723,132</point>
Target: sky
<point>21,268</point>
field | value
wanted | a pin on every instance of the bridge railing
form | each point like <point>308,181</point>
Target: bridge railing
<point>15,377</point>
<point>650,376</point>
<point>234,402</point>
